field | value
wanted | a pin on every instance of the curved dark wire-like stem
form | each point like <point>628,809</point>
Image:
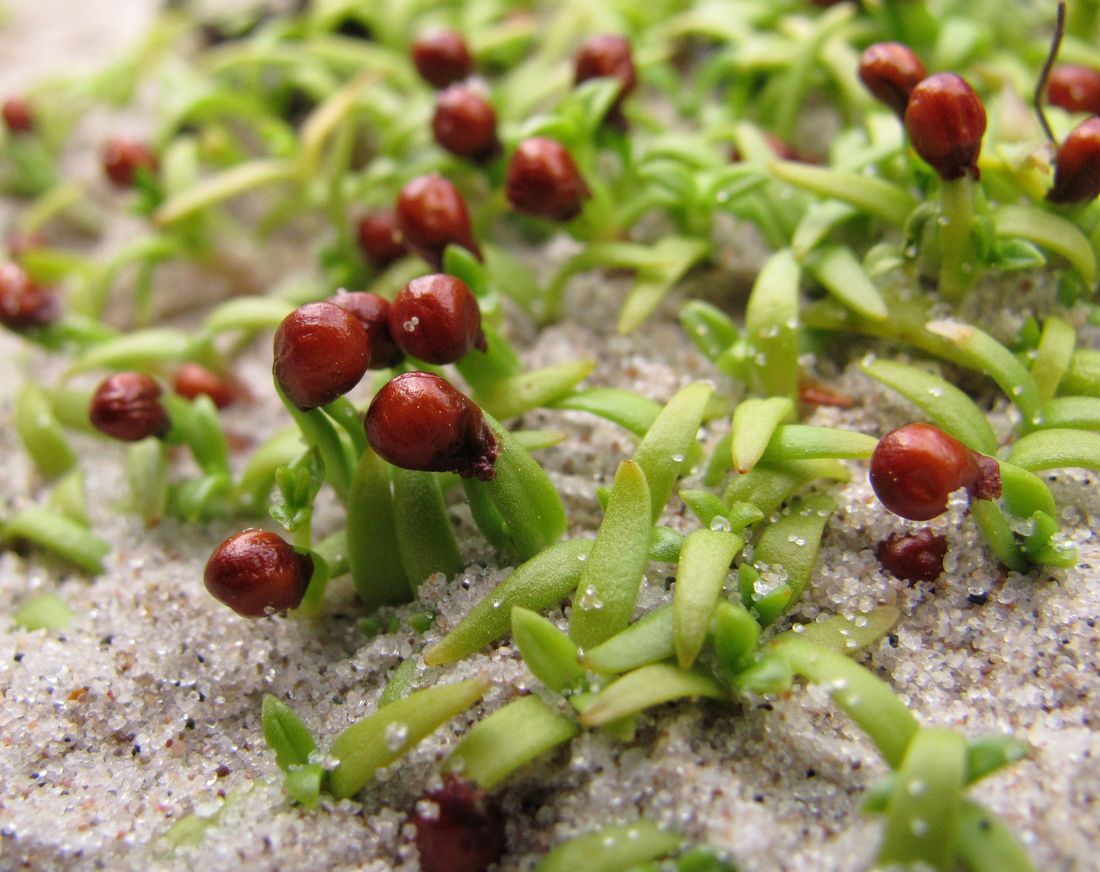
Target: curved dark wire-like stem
<point>1048,64</point>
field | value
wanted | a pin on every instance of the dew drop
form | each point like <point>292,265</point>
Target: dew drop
<point>918,827</point>
<point>411,324</point>
<point>395,736</point>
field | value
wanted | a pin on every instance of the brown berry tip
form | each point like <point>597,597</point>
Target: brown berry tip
<point>256,573</point>
<point>431,215</point>
<point>380,238</point>
<point>1077,165</point>
<point>442,58</point>
<point>418,421</point>
<point>126,406</point>
<point>193,380</point>
<point>543,181</point>
<point>124,158</point>
<point>17,114</point>
<point>465,124</point>
<point>24,304</point>
<point>1074,88</point>
<point>945,120</point>
<point>913,557</point>
<point>890,71</point>
<point>459,828</point>
<point>321,352</point>
<point>608,55</point>
<point>437,319</point>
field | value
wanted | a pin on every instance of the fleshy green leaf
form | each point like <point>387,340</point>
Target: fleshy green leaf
<point>41,433</point>
<point>285,734</point>
<point>771,326</point>
<point>646,687</point>
<point>647,640</point>
<point>611,849</point>
<point>548,652</point>
<point>704,564</point>
<point>374,557</point>
<point>46,611</point>
<point>663,452</point>
<point>754,422</point>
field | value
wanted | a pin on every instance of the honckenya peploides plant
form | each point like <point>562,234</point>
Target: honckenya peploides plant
<point>575,380</point>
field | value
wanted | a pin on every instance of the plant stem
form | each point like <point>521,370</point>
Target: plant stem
<point>957,264</point>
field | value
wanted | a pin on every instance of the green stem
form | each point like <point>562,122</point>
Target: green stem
<point>958,263</point>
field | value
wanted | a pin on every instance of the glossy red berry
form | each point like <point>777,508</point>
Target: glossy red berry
<point>17,115</point>
<point>321,353</point>
<point>543,181</point>
<point>436,319</point>
<point>1077,165</point>
<point>126,406</point>
<point>380,238</point>
<point>607,55</point>
<point>442,58</point>
<point>1074,88</point>
<point>459,828</point>
<point>913,557</point>
<point>418,421</point>
<point>193,380</point>
<point>373,313</point>
<point>945,120</point>
<point>431,215</point>
<point>916,467</point>
<point>24,304</point>
<point>123,158</point>
<point>256,573</point>
<point>890,71</point>
<point>465,123</point>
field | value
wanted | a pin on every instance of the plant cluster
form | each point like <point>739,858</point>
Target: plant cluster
<point>422,138</point>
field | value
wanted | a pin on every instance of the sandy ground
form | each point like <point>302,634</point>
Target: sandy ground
<point>147,709</point>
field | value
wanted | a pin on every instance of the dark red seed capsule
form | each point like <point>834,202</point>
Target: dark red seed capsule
<point>192,380</point>
<point>373,313</point>
<point>1074,88</point>
<point>17,114</point>
<point>442,58</point>
<point>126,406</point>
<point>913,557</point>
<point>459,828</point>
<point>607,55</point>
<point>431,215</point>
<point>1077,165</point>
<point>945,120</point>
<point>256,573</point>
<point>321,353</point>
<point>890,71</point>
<point>418,421</point>
<point>916,467</point>
<point>436,319</point>
<point>123,158</point>
<point>24,304</point>
<point>380,238</point>
<point>465,123</point>
<point>543,181</point>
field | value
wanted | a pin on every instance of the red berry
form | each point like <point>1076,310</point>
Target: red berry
<point>913,557</point>
<point>1077,165</point>
<point>373,313</point>
<point>916,467</point>
<point>380,238</point>
<point>23,302</point>
<point>418,421</point>
<point>945,120</point>
<point>257,573</point>
<point>192,380</point>
<point>543,181</point>
<point>18,117</point>
<point>607,55</point>
<point>458,828</point>
<point>1074,88</point>
<point>890,71</point>
<point>465,123</point>
<point>321,353</point>
<point>432,215</point>
<point>442,58</point>
<point>126,406</point>
<point>436,319</point>
<point>122,158</point>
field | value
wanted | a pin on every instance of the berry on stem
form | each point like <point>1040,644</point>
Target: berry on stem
<point>913,557</point>
<point>17,115</point>
<point>542,180</point>
<point>418,421</point>
<point>321,353</point>
<point>23,302</point>
<point>380,238</point>
<point>890,71</point>
<point>126,406</point>
<point>1077,165</point>
<point>945,120</point>
<point>607,55</point>
<point>257,573</point>
<point>436,319</point>
<point>373,313</point>
<point>442,58</point>
<point>194,380</point>
<point>123,158</point>
<point>465,123</point>
<point>431,215</point>
<point>915,468</point>
<point>459,828</point>
<point>1074,88</point>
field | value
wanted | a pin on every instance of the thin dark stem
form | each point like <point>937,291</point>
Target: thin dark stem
<point>1044,75</point>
